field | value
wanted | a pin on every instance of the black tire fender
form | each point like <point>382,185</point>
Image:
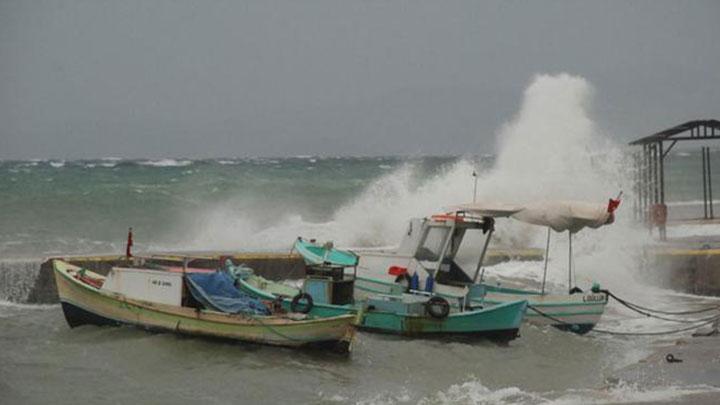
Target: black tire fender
<point>437,307</point>
<point>296,303</point>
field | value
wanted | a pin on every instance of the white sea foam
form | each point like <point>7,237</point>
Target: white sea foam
<point>57,164</point>
<point>166,163</point>
<point>474,392</point>
<point>6,306</point>
<point>550,150</point>
<point>689,203</point>
<point>690,230</point>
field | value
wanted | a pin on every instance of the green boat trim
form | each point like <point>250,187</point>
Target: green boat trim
<point>315,254</point>
<point>499,322</point>
<point>547,304</point>
<point>320,310</point>
<point>557,314</point>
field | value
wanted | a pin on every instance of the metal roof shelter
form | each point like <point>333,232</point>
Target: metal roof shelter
<point>650,164</point>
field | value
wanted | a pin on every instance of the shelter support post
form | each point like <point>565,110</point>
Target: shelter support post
<point>709,180</point>
<point>705,207</point>
<point>662,229</point>
<point>569,260</point>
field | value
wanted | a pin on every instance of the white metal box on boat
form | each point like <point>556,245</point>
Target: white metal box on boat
<point>148,285</point>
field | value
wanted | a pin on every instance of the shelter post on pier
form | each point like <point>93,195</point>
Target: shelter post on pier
<point>649,204</point>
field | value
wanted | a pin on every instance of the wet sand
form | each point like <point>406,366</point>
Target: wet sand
<point>699,367</point>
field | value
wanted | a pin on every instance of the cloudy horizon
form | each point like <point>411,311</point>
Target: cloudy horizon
<point>86,79</point>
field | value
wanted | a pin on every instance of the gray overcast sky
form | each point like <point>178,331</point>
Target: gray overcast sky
<point>92,78</point>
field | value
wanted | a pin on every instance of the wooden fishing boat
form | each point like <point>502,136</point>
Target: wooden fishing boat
<point>88,298</point>
<point>387,307</point>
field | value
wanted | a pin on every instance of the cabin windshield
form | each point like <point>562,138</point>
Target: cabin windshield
<point>431,247</point>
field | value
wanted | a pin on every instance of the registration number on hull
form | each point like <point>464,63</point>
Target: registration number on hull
<point>594,298</point>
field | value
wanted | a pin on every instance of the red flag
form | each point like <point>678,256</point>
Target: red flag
<point>613,204</point>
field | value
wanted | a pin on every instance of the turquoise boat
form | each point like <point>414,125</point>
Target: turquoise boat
<point>328,291</point>
<point>326,254</point>
<point>430,246</point>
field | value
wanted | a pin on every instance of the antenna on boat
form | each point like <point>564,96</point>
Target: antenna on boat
<point>475,178</point>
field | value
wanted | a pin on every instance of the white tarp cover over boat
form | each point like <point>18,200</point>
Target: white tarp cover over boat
<point>489,209</point>
<point>566,215</point>
<point>559,215</point>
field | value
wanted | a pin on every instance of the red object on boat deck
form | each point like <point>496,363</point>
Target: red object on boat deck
<point>397,271</point>
<point>91,281</point>
<point>447,217</point>
<point>129,244</point>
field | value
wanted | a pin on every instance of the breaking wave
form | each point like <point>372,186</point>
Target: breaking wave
<point>474,392</point>
<point>551,149</point>
<point>166,163</point>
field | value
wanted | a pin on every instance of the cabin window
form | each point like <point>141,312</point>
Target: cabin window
<point>432,245</point>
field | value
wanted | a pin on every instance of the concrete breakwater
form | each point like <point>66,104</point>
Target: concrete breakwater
<point>688,264</point>
<point>18,279</point>
<point>686,268</point>
<point>32,281</point>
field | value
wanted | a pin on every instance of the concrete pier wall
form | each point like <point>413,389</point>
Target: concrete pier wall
<point>686,269</point>
<point>273,266</point>
<point>695,271</point>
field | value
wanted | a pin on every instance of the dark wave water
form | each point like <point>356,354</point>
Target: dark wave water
<point>86,206</point>
<point>53,207</point>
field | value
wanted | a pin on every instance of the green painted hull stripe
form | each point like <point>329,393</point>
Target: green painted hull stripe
<point>545,304</point>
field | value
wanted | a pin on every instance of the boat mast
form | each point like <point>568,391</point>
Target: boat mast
<point>474,174</point>
<point>482,255</point>
<point>547,252</point>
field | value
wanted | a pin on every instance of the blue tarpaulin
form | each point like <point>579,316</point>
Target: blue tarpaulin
<point>217,291</point>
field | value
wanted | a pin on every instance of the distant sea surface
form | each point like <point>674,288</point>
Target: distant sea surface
<point>51,207</point>
<point>79,207</point>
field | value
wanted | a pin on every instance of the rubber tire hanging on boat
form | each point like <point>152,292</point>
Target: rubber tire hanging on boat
<point>437,307</point>
<point>296,302</point>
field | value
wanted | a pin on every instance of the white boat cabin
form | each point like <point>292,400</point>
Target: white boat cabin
<point>162,287</point>
<point>428,247</point>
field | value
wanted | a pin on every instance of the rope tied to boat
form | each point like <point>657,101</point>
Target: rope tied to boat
<point>649,311</point>
<point>703,322</point>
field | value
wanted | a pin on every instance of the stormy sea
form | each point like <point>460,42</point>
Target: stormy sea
<point>551,149</point>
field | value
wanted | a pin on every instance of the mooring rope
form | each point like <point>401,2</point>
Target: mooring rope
<point>638,308</point>
<point>700,323</point>
<point>647,311</point>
